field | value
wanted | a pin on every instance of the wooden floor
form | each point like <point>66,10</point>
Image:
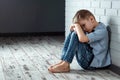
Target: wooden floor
<point>27,58</point>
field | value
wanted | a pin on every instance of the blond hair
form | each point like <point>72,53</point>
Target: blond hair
<point>82,14</point>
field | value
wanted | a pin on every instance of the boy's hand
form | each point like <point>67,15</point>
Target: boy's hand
<point>72,27</point>
<point>77,26</point>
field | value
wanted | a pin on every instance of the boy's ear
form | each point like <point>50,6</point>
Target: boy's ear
<point>92,19</point>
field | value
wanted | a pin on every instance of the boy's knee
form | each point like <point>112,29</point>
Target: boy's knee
<point>74,33</point>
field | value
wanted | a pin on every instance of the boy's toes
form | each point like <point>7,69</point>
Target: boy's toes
<point>58,69</point>
<point>49,69</point>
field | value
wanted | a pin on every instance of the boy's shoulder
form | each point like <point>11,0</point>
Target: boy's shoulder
<point>100,26</point>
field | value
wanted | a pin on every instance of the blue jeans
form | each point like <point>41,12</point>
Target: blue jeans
<point>83,51</point>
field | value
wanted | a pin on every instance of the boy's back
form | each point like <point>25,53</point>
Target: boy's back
<point>99,41</point>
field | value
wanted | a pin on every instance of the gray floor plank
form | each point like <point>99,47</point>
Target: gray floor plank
<point>2,77</point>
<point>10,67</point>
<point>27,67</point>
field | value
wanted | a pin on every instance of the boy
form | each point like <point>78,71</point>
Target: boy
<point>88,41</point>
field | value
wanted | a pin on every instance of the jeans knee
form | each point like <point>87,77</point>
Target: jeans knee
<point>74,33</point>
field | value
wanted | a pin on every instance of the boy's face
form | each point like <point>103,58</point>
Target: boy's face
<point>87,24</point>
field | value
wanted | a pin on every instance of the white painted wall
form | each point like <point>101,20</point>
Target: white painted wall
<point>106,11</point>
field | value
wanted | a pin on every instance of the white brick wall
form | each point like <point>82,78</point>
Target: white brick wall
<point>99,11</point>
<point>106,4</point>
<point>118,12</point>
<point>95,4</point>
<point>111,12</point>
<point>116,4</point>
<point>106,11</point>
<point>86,4</point>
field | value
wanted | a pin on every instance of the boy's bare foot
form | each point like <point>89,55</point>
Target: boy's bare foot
<point>63,67</point>
<point>55,64</point>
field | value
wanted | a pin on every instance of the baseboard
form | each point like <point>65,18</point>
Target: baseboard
<point>31,34</point>
<point>115,69</point>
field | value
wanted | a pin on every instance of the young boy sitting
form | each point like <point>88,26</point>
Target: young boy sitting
<point>88,41</point>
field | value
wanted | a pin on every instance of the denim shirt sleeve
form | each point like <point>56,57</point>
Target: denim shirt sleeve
<point>96,35</point>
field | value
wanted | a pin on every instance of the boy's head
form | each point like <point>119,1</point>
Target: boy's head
<point>86,20</point>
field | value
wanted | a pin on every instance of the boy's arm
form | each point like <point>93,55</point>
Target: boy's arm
<point>81,35</point>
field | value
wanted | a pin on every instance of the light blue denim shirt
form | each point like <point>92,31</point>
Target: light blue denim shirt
<point>98,40</point>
